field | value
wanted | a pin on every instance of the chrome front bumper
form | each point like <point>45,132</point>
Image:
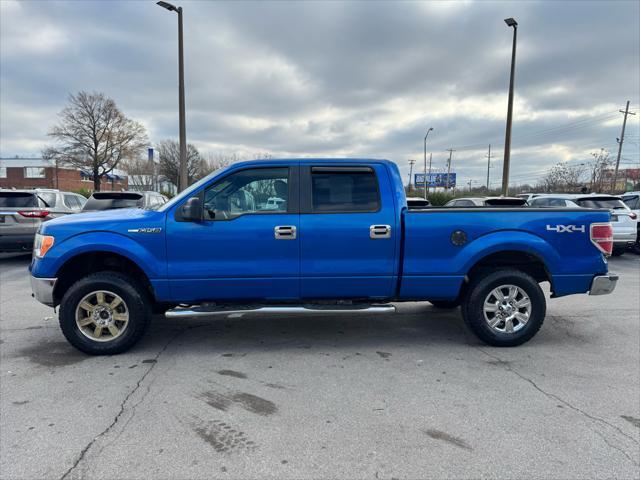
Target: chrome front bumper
<point>42,289</point>
<point>603,284</point>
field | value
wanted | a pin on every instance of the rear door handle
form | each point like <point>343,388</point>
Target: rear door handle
<point>285,232</point>
<point>379,231</point>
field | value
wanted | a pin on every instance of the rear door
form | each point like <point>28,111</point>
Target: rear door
<point>347,232</point>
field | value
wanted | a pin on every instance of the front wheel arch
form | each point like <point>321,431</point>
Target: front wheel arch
<point>87,263</point>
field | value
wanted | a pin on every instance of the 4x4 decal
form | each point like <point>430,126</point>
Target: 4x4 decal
<point>566,228</point>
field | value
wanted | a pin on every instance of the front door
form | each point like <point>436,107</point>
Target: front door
<point>247,246</point>
<point>347,233</point>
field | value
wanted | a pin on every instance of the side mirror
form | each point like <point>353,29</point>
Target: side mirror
<point>192,210</point>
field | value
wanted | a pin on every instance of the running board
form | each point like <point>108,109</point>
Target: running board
<point>239,311</point>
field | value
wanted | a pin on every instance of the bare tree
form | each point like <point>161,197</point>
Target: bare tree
<point>601,170</point>
<point>93,134</point>
<point>215,161</point>
<point>141,172</point>
<point>169,167</point>
<point>564,178</point>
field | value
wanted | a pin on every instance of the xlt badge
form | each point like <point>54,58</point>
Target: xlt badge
<point>145,230</point>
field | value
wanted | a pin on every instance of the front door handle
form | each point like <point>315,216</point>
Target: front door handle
<point>379,231</point>
<point>285,232</point>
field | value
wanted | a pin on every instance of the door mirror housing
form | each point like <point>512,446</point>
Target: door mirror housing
<point>191,211</point>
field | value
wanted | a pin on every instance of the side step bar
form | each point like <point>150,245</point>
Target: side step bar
<point>239,311</point>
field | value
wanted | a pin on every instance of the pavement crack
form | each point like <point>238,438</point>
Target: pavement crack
<point>553,396</point>
<point>123,405</point>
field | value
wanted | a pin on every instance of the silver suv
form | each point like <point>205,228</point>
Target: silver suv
<point>22,212</point>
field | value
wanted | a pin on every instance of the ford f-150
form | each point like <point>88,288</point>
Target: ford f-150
<point>340,239</point>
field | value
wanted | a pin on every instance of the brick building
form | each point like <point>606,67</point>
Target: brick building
<point>41,173</point>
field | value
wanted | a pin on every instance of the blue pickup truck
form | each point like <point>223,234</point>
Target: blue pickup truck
<point>308,237</point>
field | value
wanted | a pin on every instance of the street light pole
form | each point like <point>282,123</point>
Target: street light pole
<point>183,179</point>
<point>507,141</point>
<point>425,162</point>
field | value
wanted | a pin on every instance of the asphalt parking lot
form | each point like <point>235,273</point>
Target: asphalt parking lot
<point>411,395</point>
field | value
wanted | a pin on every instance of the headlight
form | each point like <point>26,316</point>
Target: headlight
<point>42,244</point>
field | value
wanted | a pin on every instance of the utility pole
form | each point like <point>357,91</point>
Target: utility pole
<point>507,140</point>
<point>488,166</point>
<point>425,162</point>
<point>183,180</point>
<point>624,124</point>
<point>469,182</point>
<point>450,150</point>
<point>411,163</point>
<point>430,159</point>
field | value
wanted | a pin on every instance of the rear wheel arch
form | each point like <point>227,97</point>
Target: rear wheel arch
<point>527,262</point>
<point>84,264</point>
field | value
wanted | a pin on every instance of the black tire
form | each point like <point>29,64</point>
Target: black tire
<point>617,251</point>
<point>136,301</point>
<point>478,291</point>
<point>445,304</point>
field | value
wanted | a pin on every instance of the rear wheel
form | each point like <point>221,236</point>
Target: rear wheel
<point>505,308</point>
<point>104,313</point>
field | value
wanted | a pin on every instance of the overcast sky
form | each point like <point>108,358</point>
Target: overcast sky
<point>362,79</point>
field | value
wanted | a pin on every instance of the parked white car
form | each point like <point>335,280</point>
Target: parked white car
<point>624,221</point>
<point>632,200</point>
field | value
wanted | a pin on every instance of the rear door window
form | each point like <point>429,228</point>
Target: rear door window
<point>336,190</point>
<point>17,200</point>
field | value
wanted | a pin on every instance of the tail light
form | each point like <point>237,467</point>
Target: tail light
<point>34,213</point>
<point>602,237</point>
<point>633,216</point>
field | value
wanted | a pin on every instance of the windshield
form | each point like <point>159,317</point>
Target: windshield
<point>610,203</point>
<point>187,193</point>
<point>17,199</point>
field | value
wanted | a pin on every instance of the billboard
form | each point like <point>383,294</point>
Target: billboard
<point>435,179</point>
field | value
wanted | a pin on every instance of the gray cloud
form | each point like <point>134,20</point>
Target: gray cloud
<point>335,78</point>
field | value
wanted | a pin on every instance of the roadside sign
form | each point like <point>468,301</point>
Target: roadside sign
<point>435,179</point>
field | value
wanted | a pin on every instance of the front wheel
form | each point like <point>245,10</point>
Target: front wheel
<point>104,313</point>
<point>505,308</point>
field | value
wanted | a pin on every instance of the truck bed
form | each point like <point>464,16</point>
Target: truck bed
<point>432,263</point>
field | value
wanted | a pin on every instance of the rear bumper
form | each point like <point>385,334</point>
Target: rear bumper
<point>16,243</point>
<point>42,289</point>
<point>625,237</point>
<point>603,284</point>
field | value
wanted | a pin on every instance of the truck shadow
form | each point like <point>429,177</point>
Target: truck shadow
<point>419,324</point>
